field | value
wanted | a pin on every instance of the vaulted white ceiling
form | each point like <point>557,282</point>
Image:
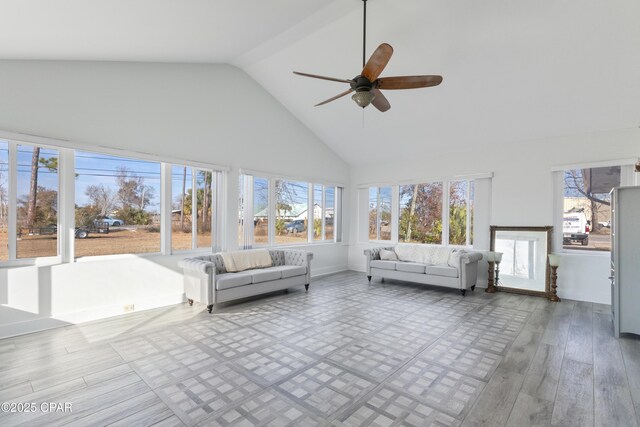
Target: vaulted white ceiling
<point>514,71</point>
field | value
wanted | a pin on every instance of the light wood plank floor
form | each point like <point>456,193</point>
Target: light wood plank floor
<point>347,353</point>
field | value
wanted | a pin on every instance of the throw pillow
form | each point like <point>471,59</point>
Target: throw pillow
<point>388,255</point>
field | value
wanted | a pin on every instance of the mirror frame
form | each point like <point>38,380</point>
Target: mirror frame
<point>546,229</point>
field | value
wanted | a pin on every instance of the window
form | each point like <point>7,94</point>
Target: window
<point>329,213</point>
<point>439,213</point>
<point>300,212</point>
<point>181,208</point>
<point>260,211</point>
<point>4,200</point>
<point>421,213</point>
<point>323,212</point>
<point>204,205</point>
<point>292,211</point>
<point>587,207</point>
<point>117,204</point>
<point>37,202</point>
<point>461,213</point>
<point>380,213</point>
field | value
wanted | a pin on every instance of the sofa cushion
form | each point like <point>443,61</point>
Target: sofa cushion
<point>266,275</point>
<point>232,280</point>
<point>424,254</point>
<point>291,270</point>
<point>440,270</point>
<point>384,265</point>
<point>410,267</point>
<point>387,255</point>
<point>246,260</point>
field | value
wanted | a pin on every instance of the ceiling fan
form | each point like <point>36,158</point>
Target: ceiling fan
<point>367,84</point>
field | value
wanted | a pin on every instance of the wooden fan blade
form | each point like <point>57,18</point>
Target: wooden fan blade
<point>380,102</point>
<point>379,59</point>
<point>323,77</point>
<point>346,92</point>
<point>407,82</point>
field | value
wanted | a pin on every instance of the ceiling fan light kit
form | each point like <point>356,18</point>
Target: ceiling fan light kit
<point>367,85</point>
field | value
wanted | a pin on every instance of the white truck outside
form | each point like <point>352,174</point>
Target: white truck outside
<point>575,228</point>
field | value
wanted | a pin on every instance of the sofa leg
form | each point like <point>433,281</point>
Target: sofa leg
<point>210,307</point>
<point>369,278</point>
<point>306,287</point>
<point>473,287</point>
<point>190,301</point>
<point>382,280</point>
<point>463,291</point>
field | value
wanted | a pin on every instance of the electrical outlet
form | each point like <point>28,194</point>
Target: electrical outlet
<point>128,308</point>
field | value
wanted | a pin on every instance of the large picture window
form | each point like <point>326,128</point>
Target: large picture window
<point>117,205</point>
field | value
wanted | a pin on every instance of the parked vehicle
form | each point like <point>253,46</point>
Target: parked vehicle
<point>295,226</point>
<point>575,228</point>
<point>605,224</point>
<point>109,220</point>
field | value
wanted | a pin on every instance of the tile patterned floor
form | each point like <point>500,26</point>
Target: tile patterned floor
<point>347,353</point>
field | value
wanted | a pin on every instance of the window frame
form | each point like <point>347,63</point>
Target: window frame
<point>12,214</point>
<point>627,178</point>
<point>247,178</point>
<point>445,214</point>
<point>66,200</point>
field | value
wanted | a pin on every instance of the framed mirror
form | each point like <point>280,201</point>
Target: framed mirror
<point>524,267</point>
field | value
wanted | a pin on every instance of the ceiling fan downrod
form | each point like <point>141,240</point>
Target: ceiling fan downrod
<point>364,35</point>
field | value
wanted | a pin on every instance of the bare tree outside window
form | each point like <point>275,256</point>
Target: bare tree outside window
<point>117,205</point>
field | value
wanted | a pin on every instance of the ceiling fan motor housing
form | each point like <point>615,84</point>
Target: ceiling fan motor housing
<point>360,84</point>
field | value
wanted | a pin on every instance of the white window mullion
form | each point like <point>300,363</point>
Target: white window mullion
<point>395,213</point>
<point>165,208</point>
<point>13,186</point>
<point>310,213</point>
<point>66,203</point>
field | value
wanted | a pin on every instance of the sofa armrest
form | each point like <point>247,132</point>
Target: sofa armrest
<point>299,258</point>
<point>373,254</point>
<point>469,269</point>
<point>470,257</point>
<point>197,265</point>
<point>199,279</point>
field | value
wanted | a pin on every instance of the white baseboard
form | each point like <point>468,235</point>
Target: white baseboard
<point>325,271</point>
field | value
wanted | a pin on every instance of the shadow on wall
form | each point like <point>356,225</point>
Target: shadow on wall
<point>36,297</point>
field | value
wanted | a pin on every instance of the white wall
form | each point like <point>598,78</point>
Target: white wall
<point>522,193</point>
<point>213,114</point>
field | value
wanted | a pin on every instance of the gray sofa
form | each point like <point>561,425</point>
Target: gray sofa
<point>206,280</point>
<point>441,266</point>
